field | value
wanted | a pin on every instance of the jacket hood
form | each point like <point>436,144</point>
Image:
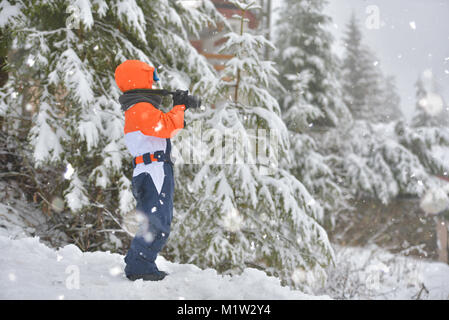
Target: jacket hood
<point>134,74</point>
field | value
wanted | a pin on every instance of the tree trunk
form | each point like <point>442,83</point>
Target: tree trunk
<point>236,93</point>
<point>268,29</point>
<point>442,239</point>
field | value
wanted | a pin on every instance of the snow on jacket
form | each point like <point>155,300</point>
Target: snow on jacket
<point>147,129</point>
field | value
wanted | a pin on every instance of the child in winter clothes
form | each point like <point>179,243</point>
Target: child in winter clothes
<point>147,136</point>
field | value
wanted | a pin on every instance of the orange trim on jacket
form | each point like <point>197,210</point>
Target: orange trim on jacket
<point>144,117</point>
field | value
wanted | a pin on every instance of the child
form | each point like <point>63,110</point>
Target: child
<point>147,136</point>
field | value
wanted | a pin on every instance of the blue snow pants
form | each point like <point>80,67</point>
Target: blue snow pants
<point>157,210</point>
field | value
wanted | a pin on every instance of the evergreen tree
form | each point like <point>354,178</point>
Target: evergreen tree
<point>430,109</point>
<point>368,93</point>
<point>69,119</point>
<point>379,156</point>
<point>310,164</point>
<point>4,45</point>
<point>309,71</point>
<point>251,213</point>
<point>390,101</point>
<point>383,161</point>
<point>382,157</point>
<point>371,162</point>
<point>430,144</point>
<point>308,48</point>
<point>428,135</point>
<point>360,76</point>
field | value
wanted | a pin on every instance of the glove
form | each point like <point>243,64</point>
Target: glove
<point>180,97</point>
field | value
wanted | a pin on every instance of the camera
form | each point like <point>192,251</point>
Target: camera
<point>183,97</point>
<point>179,96</point>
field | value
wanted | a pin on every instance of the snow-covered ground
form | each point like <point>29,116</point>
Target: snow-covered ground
<point>374,273</point>
<point>31,270</point>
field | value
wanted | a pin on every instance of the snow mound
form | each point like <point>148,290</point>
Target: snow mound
<point>31,270</point>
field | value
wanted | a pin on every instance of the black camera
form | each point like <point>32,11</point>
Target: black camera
<point>183,97</point>
<point>179,96</point>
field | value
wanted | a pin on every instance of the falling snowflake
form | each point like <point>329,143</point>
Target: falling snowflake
<point>432,103</point>
<point>158,127</point>
<point>30,61</point>
<point>69,171</point>
<point>299,276</point>
<point>435,201</point>
<point>148,237</point>
<point>232,221</point>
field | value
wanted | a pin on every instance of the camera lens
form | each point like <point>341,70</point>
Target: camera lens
<point>193,101</point>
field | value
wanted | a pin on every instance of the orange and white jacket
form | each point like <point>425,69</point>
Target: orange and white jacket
<point>147,129</point>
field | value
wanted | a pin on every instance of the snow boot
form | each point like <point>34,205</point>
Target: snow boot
<point>148,277</point>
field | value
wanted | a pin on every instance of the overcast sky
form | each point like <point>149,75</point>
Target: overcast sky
<point>413,35</point>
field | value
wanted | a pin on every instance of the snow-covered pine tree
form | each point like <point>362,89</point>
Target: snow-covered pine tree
<point>63,58</point>
<point>363,83</point>
<point>4,45</point>
<point>309,70</point>
<point>371,161</point>
<point>431,109</point>
<point>429,144</point>
<point>371,155</point>
<point>385,160</point>
<point>308,48</point>
<point>309,164</point>
<point>390,109</point>
<point>249,213</point>
<point>428,135</point>
<point>355,67</point>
